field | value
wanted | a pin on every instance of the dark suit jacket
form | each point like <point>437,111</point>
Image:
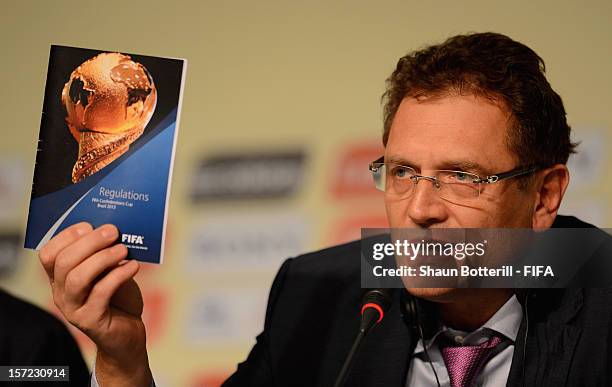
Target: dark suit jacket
<point>30,336</point>
<point>313,317</point>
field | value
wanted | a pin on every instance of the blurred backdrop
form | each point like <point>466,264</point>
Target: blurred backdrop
<point>281,115</point>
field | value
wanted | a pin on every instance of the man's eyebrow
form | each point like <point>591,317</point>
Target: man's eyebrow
<point>463,165</point>
<point>455,165</point>
<point>400,161</point>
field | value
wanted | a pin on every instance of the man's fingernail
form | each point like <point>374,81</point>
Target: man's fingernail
<point>118,248</point>
<point>108,232</point>
<point>81,229</point>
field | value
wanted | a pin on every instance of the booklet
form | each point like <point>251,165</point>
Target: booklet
<point>106,147</point>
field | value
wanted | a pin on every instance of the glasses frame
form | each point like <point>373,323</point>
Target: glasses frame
<point>489,179</point>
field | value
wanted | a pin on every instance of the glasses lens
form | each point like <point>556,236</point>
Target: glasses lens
<point>399,180</point>
<point>378,173</point>
<point>458,185</point>
<point>392,179</point>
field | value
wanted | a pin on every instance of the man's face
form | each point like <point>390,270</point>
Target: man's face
<point>442,133</point>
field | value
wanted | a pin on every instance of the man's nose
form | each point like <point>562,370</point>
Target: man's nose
<point>425,208</point>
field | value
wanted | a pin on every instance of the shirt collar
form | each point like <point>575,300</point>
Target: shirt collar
<point>506,321</point>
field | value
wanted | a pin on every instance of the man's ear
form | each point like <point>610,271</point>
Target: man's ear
<point>550,186</point>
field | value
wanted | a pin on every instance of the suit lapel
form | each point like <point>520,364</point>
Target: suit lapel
<point>551,338</point>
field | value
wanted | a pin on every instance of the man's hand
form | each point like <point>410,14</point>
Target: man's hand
<point>93,287</point>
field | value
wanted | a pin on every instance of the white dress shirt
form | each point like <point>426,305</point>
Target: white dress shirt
<point>506,322</point>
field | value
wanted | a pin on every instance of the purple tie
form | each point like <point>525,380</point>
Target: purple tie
<point>464,363</point>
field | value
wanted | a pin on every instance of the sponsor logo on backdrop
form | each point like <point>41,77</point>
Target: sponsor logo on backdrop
<point>10,246</point>
<point>154,316</point>
<point>225,316</point>
<point>13,188</point>
<point>350,174</point>
<point>588,166</point>
<point>588,174</point>
<point>349,228</point>
<point>155,313</point>
<point>248,176</point>
<point>246,243</point>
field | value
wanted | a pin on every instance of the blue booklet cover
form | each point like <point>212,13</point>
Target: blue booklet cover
<point>106,146</point>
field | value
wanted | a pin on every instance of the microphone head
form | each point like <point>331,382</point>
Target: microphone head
<point>374,304</point>
<point>381,296</point>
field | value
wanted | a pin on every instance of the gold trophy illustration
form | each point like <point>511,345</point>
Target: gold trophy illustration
<point>109,100</point>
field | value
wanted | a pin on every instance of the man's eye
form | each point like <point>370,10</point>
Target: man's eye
<point>400,173</point>
<point>461,176</point>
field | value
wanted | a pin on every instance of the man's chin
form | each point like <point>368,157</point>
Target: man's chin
<point>434,294</point>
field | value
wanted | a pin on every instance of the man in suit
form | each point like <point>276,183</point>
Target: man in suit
<point>475,107</point>
<point>30,336</point>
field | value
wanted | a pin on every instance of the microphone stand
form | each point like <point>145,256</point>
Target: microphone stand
<point>374,304</point>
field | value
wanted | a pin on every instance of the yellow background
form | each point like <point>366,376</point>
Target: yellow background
<point>266,76</point>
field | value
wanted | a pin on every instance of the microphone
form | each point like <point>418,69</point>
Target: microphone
<point>374,304</point>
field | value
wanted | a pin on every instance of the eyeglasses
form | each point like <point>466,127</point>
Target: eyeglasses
<point>400,180</point>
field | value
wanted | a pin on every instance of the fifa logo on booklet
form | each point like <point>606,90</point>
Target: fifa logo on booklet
<point>132,239</point>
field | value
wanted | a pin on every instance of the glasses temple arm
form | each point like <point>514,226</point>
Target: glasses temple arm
<point>507,175</point>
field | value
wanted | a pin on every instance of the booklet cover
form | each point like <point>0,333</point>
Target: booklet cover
<point>106,146</point>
